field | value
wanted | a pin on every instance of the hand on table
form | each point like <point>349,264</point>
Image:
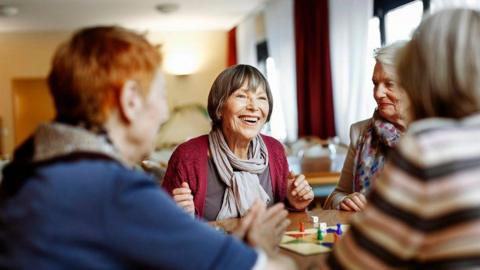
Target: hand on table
<point>353,202</point>
<point>299,192</point>
<point>184,198</point>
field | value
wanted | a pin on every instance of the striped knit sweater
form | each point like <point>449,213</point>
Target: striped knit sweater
<point>424,211</point>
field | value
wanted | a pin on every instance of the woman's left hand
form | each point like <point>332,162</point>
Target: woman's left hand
<point>299,192</point>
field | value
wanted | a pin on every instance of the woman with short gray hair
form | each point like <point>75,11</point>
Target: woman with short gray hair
<point>220,175</point>
<point>370,139</point>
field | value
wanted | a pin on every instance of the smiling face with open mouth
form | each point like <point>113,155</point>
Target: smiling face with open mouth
<point>244,113</point>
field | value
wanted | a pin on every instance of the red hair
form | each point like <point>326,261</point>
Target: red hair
<point>89,70</point>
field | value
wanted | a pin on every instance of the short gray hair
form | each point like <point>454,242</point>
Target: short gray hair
<point>386,55</point>
<point>230,80</point>
<point>440,67</point>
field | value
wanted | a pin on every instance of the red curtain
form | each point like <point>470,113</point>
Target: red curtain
<point>232,47</point>
<point>314,83</point>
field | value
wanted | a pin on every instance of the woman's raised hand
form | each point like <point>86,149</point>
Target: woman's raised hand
<point>299,192</point>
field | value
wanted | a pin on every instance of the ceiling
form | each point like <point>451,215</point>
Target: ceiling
<point>65,15</point>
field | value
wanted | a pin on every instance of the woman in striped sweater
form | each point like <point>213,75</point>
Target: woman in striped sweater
<point>424,211</point>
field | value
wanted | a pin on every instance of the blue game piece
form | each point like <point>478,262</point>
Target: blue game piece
<point>339,229</point>
<point>327,244</point>
<point>331,230</point>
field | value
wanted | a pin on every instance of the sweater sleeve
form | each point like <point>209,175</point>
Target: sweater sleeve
<point>345,184</point>
<point>423,211</point>
<point>382,236</point>
<point>147,229</point>
<point>174,176</point>
<point>281,173</point>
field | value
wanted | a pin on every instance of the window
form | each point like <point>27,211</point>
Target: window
<point>398,18</point>
<point>276,127</point>
<point>402,21</point>
<point>373,43</point>
<point>437,5</point>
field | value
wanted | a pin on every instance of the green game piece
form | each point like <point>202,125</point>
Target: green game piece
<point>319,234</point>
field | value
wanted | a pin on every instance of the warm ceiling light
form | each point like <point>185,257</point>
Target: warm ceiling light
<point>181,61</point>
<point>8,11</point>
<point>166,8</point>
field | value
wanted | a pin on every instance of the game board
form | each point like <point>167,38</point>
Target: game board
<point>306,243</point>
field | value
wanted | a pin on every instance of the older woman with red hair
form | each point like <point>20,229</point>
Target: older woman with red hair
<point>71,200</point>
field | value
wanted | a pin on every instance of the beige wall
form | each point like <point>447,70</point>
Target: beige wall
<point>22,55</point>
<point>28,55</point>
<point>210,51</point>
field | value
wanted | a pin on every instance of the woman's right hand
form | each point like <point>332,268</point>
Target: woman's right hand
<point>263,228</point>
<point>354,202</point>
<point>184,198</point>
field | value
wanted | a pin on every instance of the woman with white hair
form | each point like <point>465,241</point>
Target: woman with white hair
<point>370,139</point>
<point>424,210</point>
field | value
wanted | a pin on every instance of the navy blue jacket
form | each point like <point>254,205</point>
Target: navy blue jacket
<point>94,213</point>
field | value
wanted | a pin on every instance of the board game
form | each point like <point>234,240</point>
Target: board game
<point>308,242</point>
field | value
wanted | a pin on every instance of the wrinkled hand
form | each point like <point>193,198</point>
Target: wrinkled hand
<point>184,198</point>
<point>299,192</point>
<point>353,202</point>
<point>263,228</point>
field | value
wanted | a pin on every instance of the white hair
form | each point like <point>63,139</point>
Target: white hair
<point>386,55</point>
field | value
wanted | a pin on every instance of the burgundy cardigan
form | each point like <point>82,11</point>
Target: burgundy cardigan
<point>189,163</point>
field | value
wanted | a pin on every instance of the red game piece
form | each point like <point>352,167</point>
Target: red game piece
<point>302,227</point>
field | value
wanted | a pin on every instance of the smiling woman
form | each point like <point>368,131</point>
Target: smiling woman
<point>75,176</point>
<point>242,111</point>
<point>370,139</point>
<point>220,175</point>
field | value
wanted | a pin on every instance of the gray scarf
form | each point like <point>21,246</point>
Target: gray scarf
<point>57,139</point>
<point>240,176</point>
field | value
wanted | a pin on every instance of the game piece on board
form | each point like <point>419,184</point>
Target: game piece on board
<point>330,230</point>
<point>329,245</point>
<point>323,227</point>
<point>307,242</point>
<point>319,234</point>
<point>302,227</point>
<point>339,229</point>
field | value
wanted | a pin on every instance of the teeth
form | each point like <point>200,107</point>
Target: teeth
<point>250,119</point>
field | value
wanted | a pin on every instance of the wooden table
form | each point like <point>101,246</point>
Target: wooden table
<point>331,217</point>
<point>322,178</point>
